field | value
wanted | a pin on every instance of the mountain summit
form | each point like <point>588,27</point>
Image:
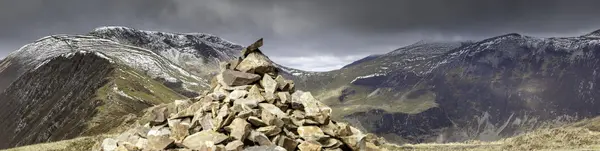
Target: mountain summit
<point>250,107</point>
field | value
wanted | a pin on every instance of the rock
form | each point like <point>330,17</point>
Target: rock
<point>330,128</point>
<point>193,141</point>
<point>236,94</point>
<point>179,128</point>
<point>259,138</point>
<point>265,148</point>
<point>290,134</point>
<point>142,131</point>
<point>247,102</point>
<point>233,63</point>
<point>329,142</point>
<point>236,78</point>
<point>257,63</point>
<point>109,144</point>
<point>159,142</point>
<point>218,96</point>
<point>207,122</point>
<point>181,105</point>
<point>269,84</point>
<point>158,115</point>
<point>287,143</point>
<point>252,48</point>
<point>271,119</point>
<point>272,109</point>
<point>310,132</point>
<point>289,86</point>
<point>256,121</point>
<point>343,130</point>
<point>239,129</point>
<point>271,98</point>
<point>281,83</point>
<point>313,108</point>
<point>284,97</point>
<point>236,145</point>
<point>353,141</point>
<point>308,146</point>
<point>269,130</point>
<point>254,94</point>
<point>371,147</point>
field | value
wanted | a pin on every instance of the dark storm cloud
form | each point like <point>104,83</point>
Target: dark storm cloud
<point>309,34</point>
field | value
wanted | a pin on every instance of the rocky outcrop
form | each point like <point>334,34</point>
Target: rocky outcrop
<point>242,112</point>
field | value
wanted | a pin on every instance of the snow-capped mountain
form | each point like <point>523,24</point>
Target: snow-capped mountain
<point>90,84</point>
<point>486,90</point>
<point>196,52</point>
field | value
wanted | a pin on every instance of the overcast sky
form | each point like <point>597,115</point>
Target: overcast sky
<point>306,34</point>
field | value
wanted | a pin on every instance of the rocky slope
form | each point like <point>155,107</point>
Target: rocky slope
<point>486,90</point>
<point>104,82</point>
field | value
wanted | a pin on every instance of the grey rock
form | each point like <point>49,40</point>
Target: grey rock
<point>256,121</point>
<point>109,144</point>
<point>239,129</point>
<point>236,78</point>
<point>259,138</point>
<point>284,97</point>
<point>258,63</point>
<point>236,145</point>
<point>265,148</point>
<point>269,130</point>
<point>195,140</point>
<point>287,143</point>
<point>268,84</point>
<point>310,132</point>
<point>309,146</point>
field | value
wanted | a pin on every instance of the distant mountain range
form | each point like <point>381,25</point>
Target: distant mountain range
<point>67,86</point>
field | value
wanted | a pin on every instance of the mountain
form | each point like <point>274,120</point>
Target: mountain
<point>486,90</point>
<point>66,86</point>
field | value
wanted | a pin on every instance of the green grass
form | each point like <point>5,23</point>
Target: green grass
<point>77,144</point>
<point>117,111</point>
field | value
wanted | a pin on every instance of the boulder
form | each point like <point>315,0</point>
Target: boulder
<point>287,143</point>
<point>284,97</point>
<point>239,129</point>
<point>236,145</point>
<point>246,102</point>
<point>256,121</point>
<point>312,107</point>
<point>268,84</point>
<point>255,94</point>
<point>353,141</point>
<point>265,148</point>
<point>252,48</point>
<point>309,146</point>
<point>310,132</point>
<point>258,63</point>
<point>194,141</point>
<point>269,130</point>
<point>159,142</point>
<point>259,138</point>
<point>179,128</point>
<point>236,78</point>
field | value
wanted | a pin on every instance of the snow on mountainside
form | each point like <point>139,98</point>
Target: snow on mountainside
<point>196,52</point>
<point>33,55</point>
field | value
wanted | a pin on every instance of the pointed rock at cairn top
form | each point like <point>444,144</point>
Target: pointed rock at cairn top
<point>252,48</point>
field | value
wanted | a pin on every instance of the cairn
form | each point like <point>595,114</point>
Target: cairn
<point>250,107</point>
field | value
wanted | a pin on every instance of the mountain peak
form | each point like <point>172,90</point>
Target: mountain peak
<point>594,34</point>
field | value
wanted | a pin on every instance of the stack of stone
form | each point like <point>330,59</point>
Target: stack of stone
<point>249,107</point>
